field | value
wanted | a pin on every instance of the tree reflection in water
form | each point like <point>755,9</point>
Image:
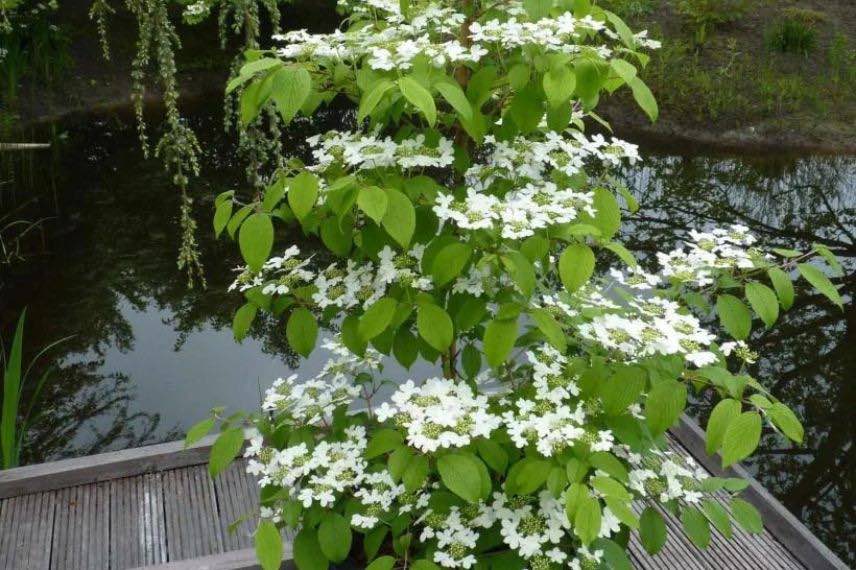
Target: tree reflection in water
<point>809,358</point>
<point>149,356</point>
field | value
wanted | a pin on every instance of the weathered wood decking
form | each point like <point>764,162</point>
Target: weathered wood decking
<point>157,506</point>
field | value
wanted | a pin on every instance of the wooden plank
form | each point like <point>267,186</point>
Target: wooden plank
<point>789,532</point>
<point>244,559</point>
<point>81,528</point>
<point>26,526</point>
<point>237,498</point>
<point>137,521</point>
<point>192,520</point>
<point>102,467</point>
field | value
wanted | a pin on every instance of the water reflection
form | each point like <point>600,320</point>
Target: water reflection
<point>149,357</point>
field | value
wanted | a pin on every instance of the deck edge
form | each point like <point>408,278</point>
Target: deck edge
<point>64,473</point>
<point>782,524</point>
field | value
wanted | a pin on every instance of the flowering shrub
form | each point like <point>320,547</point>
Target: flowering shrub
<point>468,210</point>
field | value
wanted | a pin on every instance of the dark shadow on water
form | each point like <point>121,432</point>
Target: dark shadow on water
<point>150,357</point>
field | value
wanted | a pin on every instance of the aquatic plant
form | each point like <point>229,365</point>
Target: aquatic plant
<point>14,419</point>
<point>476,226</point>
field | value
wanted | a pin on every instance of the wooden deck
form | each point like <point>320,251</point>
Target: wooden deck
<point>157,507</point>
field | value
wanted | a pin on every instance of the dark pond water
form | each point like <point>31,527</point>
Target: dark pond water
<point>149,357</point>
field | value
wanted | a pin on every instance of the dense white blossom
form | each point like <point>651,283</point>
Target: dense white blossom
<point>439,414</point>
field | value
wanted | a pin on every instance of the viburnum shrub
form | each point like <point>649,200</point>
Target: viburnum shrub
<point>466,213</point>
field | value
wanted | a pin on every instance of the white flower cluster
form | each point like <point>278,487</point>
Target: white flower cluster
<point>389,40</point>
<point>647,327</point>
<point>708,252</point>
<point>394,47</point>
<point>314,400</point>
<point>524,159</point>
<point>561,34</point>
<point>554,419</point>
<point>666,476</point>
<point>360,151</point>
<point>363,284</point>
<point>517,215</point>
<point>279,274</point>
<point>439,414</point>
<point>312,476</point>
<point>354,284</point>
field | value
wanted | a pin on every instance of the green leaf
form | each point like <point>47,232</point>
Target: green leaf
<point>460,474</point>
<point>302,193</point>
<point>336,240</point>
<point>644,98</point>
<point>435,326</point>
<point>291,87</point>
<point>521,271</point>
<point>741,438</point>
<point>537,9</point>
<point>747,516</point>
<point>696,527</point>
<point>550,327</point>
<point>302,331</point>
<point>721,417</point>
<point>652,530</point>
<point>493,454</point>
<point>785,419</point>
<point>609,487</point>
<point>334,537</point>
<point>527,476</point>
<point>419,97</point>
<point>383,441</point>
<point>400,218</point>
<point>622,252</point>
<point>222,215</point>
<point>664,405</point>
<point>226,448</point>
<point>622,389</point>
<point>405,347</point>
<point>370,100</point>
<point>734,316</point>
<point>763,301</point>
<point>784,287</point>
<point>821,282</point>
<point>416,474</point>
<point>576,470</point>
<point>576,266</point>
<point>623,512</point>
<point>377,318</point>
<point>268,546</point>
<point>382,563</point>
<point>587,519</point>
<point>527,109</point>
<point>717,514</point>
<point>624,69</point>
<point>256,240</point>
<point>198,431</point>
<point>398,461</point>
<point>609,464</point>
<point>499,338</point>
<point>559,83</point>
<point>242,320</point>
<point>307,551</point>
<point>450,262</point>
<point>373,201</point>
<point>454,95</point>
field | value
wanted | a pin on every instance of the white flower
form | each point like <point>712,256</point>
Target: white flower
<point>440,414</point>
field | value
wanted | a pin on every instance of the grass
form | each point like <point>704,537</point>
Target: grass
<point>792,36</point>
<point>765,63</point>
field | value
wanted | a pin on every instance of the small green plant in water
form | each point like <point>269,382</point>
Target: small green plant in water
<point>14,419</point>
